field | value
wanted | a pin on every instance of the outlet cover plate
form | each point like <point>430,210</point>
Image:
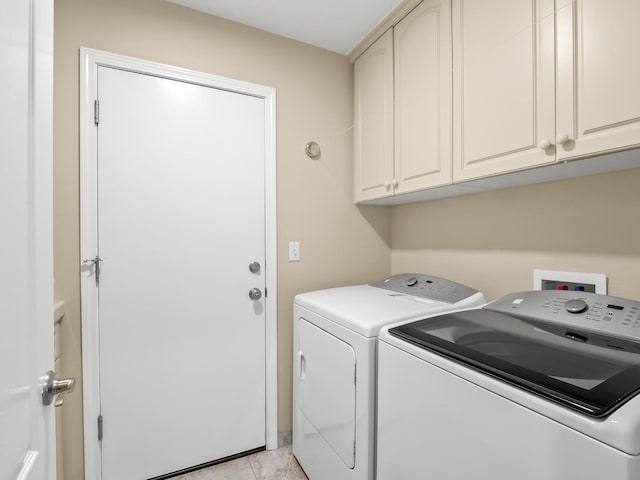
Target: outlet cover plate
<point>294,251</point>
<point>599,280</point>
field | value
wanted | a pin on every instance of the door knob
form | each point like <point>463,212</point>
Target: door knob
<point>545,143</point>
<point>255,294</point>
<point>56,388</point>
<point>254,267</point>
<point>562,139</point>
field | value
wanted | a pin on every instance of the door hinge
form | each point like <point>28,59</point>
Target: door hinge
<point>354,449</point>
<point>355,374</point>
<point>265,292</point>
<point>100,427</point>
<point>95,261</point>
<point>96,112</point>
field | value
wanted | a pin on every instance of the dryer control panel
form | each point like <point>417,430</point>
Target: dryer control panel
<point>427,286</point>
<point>581,310</point>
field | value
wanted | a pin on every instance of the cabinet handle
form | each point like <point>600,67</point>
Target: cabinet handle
<point>545,143</point>
<point>562,139</point>
<point>394,182</point>
<point>387,185</point>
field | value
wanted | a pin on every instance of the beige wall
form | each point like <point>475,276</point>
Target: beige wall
<point>493,241</point>
<point>340,243</point>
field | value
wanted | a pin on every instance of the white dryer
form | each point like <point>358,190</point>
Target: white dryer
<point>538,385</point>
<point>334,366</point>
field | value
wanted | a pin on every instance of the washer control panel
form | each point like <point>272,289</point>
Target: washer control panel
<point>426,286</point>
<point>603,313</point>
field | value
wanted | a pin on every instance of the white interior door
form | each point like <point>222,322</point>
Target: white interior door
<point>180,216</point>
<point>27,430</point>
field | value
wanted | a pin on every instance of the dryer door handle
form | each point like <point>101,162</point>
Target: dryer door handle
<point>302,365</point>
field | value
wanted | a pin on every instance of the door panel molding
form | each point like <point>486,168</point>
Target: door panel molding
<point>90,61</point>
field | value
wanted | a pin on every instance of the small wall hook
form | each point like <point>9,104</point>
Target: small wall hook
<point>312,149</point>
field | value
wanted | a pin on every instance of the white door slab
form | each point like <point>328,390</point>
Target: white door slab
<point>27,428</point>
<point>180,216</point>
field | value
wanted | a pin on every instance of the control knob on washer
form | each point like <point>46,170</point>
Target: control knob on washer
<point>576,306</point>
<point>412,282</point>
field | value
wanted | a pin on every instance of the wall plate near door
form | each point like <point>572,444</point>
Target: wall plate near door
<point>294,251</point>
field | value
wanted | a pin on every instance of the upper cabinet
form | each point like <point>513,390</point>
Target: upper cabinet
<point>373,77</point>
<point>598,97</point>
<point>422,81</point>
<point>496,93</point>
<point>403,106</point>
<point>503,84</point>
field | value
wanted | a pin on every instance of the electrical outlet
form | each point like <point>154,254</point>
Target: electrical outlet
<point>576,281</point>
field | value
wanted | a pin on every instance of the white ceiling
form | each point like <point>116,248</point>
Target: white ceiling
<point>337,25</point>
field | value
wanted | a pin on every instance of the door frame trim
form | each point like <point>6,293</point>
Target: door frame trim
<point>90,60</point>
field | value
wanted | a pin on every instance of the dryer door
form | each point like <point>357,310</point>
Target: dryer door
<point>326,388</point>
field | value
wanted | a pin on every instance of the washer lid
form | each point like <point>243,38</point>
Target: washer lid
<point>580,369</point>
<point>366,309</point>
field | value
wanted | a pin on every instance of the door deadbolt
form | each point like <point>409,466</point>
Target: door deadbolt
<point>56,388</point>
<point>254,267</point>
<point>255,294</point>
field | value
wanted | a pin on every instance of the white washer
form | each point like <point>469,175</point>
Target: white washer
<point>335,334</point>
<point>536,385</point>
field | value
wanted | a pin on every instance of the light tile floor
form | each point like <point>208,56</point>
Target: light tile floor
<point>277,464</point>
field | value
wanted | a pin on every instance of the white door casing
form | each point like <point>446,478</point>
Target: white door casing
<point>27,432</point>
<point>112,69</point>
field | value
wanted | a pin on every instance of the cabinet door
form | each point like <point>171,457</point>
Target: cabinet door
<point>373,72</point>
<point>598,93</point>
<point>503,86</point>
<point>422,60</point>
